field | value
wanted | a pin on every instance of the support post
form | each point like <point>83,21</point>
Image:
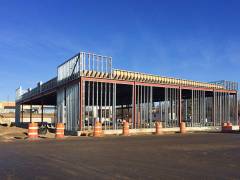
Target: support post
<point>114,107</point>
<point>81,103</point>
<point>237,123</point>
<point>31,113</point>
<point>193,109</point>
<point>180,105</point>
<point>134,118</point>
<point>42,112</point>
<point>122,112</point>
<point>22,113</point>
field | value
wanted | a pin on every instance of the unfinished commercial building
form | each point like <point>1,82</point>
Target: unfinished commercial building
<point>88,89</point>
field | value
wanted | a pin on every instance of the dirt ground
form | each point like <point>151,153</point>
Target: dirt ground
<point>9,134</point>
<point>175,156</point>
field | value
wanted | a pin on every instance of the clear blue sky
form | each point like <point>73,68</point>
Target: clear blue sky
<point>198,39</point>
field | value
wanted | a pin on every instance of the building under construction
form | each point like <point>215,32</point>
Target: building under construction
<point>88,89</point>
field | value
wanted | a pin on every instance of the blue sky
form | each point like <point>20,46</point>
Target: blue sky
<point>197,40</point>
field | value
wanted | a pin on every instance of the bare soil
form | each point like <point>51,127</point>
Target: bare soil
<point>9,134</point>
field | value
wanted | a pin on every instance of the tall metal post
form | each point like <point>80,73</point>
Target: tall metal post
<point>22,112</point>
<point>134,118</point>
<point>151,105</point>
<point>81,104</point>
<point>31,113</point>
<point>88,103</point>
<point>42,112</point>
<point>114,106</point>
<point>101,103</point>
<point>122,111</point>
<point>192,109</point>
<point>237,123</point>
<point>180,105</point>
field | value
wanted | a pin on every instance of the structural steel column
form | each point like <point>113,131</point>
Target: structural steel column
<point>22,112</point>
<point>192,109</point>
<point>42,112</point>
<point>213,109</point>
<point>237,123</point>
<point>81,103</point>
<point>134,104</point>
<point>122,111</point>
<point>31,113</point>
<point>180,105</point>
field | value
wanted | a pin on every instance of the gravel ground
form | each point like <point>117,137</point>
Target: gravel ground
<point>176,156</point>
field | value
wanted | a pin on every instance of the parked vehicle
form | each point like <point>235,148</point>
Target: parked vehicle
<point>43,128</point>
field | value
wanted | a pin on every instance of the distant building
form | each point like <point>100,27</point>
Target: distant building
<point>7,107</point>
<point>7,112</point>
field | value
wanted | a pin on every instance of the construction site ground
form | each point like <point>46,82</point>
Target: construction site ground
<point>171,156</point>
<point>10,134</point>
